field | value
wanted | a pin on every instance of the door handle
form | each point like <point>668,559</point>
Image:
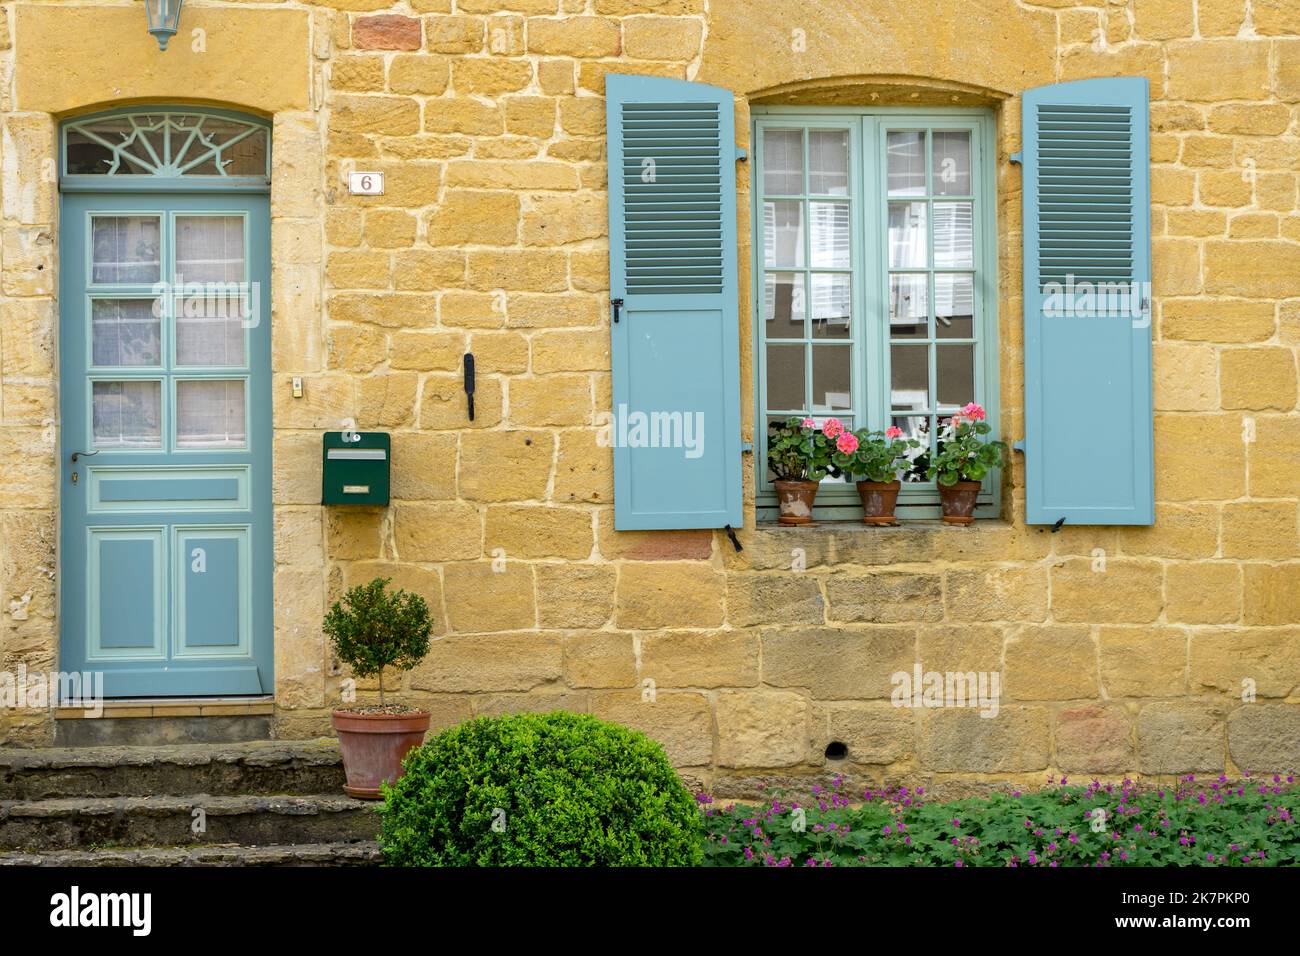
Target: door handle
<point>83,454</point>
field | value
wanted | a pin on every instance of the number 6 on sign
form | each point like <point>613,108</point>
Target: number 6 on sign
<point>366,184</point>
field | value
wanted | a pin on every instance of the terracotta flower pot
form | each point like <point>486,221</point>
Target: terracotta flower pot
<point>796,500</point>
<point>878,501</point>
<point>373,746</point>
<point>958,501</point>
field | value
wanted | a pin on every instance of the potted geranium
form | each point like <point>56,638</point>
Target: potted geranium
<point>372,629</point>
<point>880,457</point>
<point>799,454</point>
<point>964,456</point>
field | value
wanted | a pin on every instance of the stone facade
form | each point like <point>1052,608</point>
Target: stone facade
<point>1120,650</point>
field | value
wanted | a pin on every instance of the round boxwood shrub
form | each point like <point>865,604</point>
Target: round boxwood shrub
<point>553,789</point>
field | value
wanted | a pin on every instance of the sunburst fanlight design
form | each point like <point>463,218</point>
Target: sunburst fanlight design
<point>165,144</point>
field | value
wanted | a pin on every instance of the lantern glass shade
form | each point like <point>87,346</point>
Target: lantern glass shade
<point>163,18</point>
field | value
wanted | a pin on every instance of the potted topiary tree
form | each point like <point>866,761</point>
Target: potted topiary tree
<point>963,458</point>
<point>799,454</point>
<point>880,457</point>
<point>372,629</point>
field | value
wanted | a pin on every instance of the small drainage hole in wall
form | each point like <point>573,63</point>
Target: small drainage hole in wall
<point>836,750</point>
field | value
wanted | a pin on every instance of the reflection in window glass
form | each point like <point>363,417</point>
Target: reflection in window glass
<point>955,374</point>
<point>951,163</point>
<point>828,162</point>
<point>832,306</point>
<point>908,309</point>
<point>954,306</point>
<point>832,378</point>
<point>783,162</point>
<point>783,305</point>
<point>125,332</point>
<point>830,234</point>
<point>905,153</point>
<point>954,242</point>
<point>909,377</point>
<point>907,235</point>
<point>786,389</point>
<point>126,414</point>
<point>125,249</point>
<point>783,233</point>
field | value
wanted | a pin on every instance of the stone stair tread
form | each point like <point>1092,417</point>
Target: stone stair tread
<point>359,853</point>
<point>324,751</point>
<point>293,804</point>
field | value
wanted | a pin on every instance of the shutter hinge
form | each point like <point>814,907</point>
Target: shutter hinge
<point>1018,445</point>
<point>747,448</point>
<point>732,535</point>
<point>742,155</point>
<point>1018,157</point>
<point>1057,527</point>
<point>617,304</point>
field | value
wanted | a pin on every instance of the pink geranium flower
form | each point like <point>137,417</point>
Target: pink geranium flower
<point>832,427</point>
<point>974,412</point>
<point>847,443</point>
<point>893,431</point>
<point>808,423</point>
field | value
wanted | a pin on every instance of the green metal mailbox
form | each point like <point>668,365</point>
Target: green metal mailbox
<point>356,468</point>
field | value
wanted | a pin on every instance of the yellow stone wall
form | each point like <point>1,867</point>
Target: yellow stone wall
<point>1121,650</point>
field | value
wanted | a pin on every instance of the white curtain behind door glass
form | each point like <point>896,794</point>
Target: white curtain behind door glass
<point>210,414</point>
<point>125,332</point>
<point>210,248</point>
<point>124,249</point>
<point>127,414</point>
<point>210,330</point>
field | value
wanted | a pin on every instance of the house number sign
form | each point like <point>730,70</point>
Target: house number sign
<point>366,184</point>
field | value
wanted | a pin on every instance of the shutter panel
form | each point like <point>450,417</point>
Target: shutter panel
<point>1087,234</point>
<point>676,344</point>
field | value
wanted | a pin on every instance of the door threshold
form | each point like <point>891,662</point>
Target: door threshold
<point>173,707</point>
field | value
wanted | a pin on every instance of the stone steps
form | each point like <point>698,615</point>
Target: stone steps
<point>253,768</point>
<point>262,803</point>
<point>363,853</point>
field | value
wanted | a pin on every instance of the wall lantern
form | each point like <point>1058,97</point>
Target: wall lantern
<point>163,17</point>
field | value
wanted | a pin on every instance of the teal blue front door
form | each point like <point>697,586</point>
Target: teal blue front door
<point>165,442</point>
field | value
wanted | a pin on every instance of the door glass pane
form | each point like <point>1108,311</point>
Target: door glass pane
<point>126,414</point>
<point>954,370</point>
<point>783,162</point>
<point>783,305</point>
<point>954,243</point>
<point>209,414</point>
<point>832,306</point>
<point>832,378</point>
<point>951,164</point>
<point>210,330</point>
<point>909,377</point>
<point>125,332</point>
<point>785,378</point>
<point>907,235</point>
<point>908,309</point>
<point>828,162</point>
<point>954,306</point>
<point>209,248</point>
<point>125,249</point>
<point>783,233</point>
<point>906,156</point>
<point>830,234</point>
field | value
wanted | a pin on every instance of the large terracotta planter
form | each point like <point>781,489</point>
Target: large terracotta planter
<point>879,498</point>
<point>958,501</point>
<point>796,500</point>
<point>373,746</point>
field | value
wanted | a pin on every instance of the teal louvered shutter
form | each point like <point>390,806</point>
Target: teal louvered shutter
<point>674,286</point>
<point>1087,306</point>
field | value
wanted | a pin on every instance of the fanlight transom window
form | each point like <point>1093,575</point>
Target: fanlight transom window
<point>166,144</point>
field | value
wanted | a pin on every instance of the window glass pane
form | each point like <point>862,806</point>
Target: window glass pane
<point>785,378</point>
<point>210,330</point>
<point>909,377</point>
<point>954,306</point>
<point>906,157</point>
<point>209,414</point>
<point>126,414</point>
<point>828,162</point>
<point>783,305</point>
<point>125,249</point>
<point>125,332</point>
<point>830,234</point>
<point>783,233</point>
<point>832,306</point>
<point>832,378</point>
<point>908,309</point>
<point>209,248</point>
<point>907,235</point>
<point>918,428</point>
<point>954,242</point>
<point>954,371</point>
<point>783,162</point>
<point>247,157</point>
<point>951,164</point>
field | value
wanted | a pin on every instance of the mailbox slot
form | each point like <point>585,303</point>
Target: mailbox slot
<point>356,468</point>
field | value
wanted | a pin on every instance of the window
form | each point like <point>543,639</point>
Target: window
<point>875,279</point>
